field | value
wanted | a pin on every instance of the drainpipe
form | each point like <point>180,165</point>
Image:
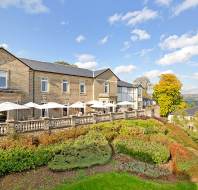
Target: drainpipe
<point>33,92</point>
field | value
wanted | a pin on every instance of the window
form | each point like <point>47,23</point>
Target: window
<point>119,89</point>
<point>106,87</point>
<point>139,92</point>
<point>82,87</point>
<point>65,86</point>
<point>3,79</point>
<point>44,85</point>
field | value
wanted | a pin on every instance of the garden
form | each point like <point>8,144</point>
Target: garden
<point>124,154</point>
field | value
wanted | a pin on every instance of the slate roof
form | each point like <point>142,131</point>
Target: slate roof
<point>192,111</point>
<point>57,68</point>
<point>126,84</point>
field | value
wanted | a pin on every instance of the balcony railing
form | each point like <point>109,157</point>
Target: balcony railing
<point>64,122</point>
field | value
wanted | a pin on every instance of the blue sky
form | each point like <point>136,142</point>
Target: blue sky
<point>133,38</point>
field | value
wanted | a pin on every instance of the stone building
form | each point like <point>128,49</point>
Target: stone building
<point>23,80</point>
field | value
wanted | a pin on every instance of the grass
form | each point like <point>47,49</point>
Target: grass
<point>122,181</point>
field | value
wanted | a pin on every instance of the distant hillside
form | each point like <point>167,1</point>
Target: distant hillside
<point>191,98</point>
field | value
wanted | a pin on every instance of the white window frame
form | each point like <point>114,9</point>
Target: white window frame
<point>82,83</point>
<point>106,84</point>
<point>6,81</point>
<point>65,82</point>
<point>44,79</point>
<point>139,92</point>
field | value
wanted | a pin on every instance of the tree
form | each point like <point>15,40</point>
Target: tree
<point>167,93</point>
<point>65,63</point>
<point>145,83</point>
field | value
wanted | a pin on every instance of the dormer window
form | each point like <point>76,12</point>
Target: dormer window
<point>3,79</point>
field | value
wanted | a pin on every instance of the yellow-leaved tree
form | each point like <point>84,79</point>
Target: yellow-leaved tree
<point>167,93</point>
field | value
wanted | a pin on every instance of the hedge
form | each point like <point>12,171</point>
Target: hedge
<point>91,149</point>
<point>19,158</point>
<point>151,152</point>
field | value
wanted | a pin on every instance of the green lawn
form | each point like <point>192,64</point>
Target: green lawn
<point>122,181</point>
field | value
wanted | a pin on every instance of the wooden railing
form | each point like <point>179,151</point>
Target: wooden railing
<point>64,122</point>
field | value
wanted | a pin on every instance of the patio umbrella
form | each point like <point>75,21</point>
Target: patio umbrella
<point>92,102</point>
<point>108,105</point>
<point>7,106</point>
<point>77,105</point>
<point>52,105</point>
<point>33,105</point>
<point>98,105</point>
<point>125,103</point>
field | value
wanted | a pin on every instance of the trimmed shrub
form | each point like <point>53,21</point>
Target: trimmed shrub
<point>151,152</point>
<point>91,149</point>
<point>109,129</point>
<point>19,158</point>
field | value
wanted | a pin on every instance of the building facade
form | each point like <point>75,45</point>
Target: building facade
<point>24,80</point>
<point>131,93</point>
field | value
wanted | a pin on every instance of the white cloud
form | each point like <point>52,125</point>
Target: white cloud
<point>4,45</point>
<point>138,34</point>
<point>195,75</point>
<point>156,73</point>
<point>64,23</point>
<point>126,46</point>
<point>114,18</point>
<point>30,6</point>
<point>179,56</point>
<point>185,5</point>
<point>137,17</point>
<point>104,40</point>
<point>86,61</point>
<point>80,38</point>
<point>175,42</point>
<point>143,52</point>
<point>134,17</point>
<point>163,2</point>
<point>190,89</point>
<point>124,69</point>
<point>87,65</point>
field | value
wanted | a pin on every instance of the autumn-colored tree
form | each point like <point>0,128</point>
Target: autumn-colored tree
<point>167,93</point>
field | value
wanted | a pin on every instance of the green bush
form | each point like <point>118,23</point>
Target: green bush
<point>19,158</point>
<point>151,152</point>
<point>149,126</point>
<point>91,149</point>
<point>109,129</point>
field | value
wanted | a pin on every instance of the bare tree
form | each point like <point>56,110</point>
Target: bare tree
<point>146,84</point>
